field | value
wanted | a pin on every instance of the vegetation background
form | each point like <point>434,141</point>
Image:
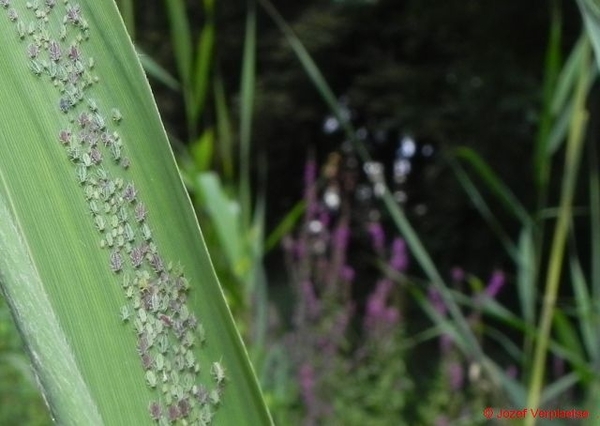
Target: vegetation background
<point>452,74</point>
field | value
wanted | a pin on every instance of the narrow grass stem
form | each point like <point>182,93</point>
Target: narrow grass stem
<point>572,159</point>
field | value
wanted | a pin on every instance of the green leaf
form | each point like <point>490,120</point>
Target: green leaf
<point>65,290</point>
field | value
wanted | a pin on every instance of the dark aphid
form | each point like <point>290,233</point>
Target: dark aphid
<point>137,257</point>
<point>63,104</point>
<point>184,407</point>
<point>83,119</point>
<point>64,136</point>
<point>147,361</point>
<point>140,212</point>
<point>5,3</point>
<point>116,261</point>
<point>73,14</point>
<point>50,3</point>
<point>96,156</point>
<point>129,193</point>
<point>155,410</point>
<point>54,51</point>
<point>74,53</point>
<point>156,262</point>
<point>13,15</point>
<point>174,412</point>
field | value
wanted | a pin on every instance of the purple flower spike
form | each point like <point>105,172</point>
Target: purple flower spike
<point>399,259</point>
<point>495,283</point>
<point>457,274</point>
<point>377,236</point>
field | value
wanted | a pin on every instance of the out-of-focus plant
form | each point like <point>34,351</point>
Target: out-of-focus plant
<point>343,375</point>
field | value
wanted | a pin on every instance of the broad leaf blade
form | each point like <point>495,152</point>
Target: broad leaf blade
<point>49,239</point>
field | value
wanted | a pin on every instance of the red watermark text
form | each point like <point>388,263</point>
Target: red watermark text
<point>537,413</point>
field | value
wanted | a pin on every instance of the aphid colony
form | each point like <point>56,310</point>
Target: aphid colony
<point>155,290</point>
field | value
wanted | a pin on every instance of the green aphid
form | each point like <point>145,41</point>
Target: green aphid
<point>100,223</point>
<point>94,207</point>
<point>218,372</point>
<point>125,314</point>
<point>116,115</point>
<point>36,67</point>
<point>151,378</point>
<point>82,174</point>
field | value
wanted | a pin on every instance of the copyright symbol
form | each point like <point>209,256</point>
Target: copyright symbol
<point>488,412</point>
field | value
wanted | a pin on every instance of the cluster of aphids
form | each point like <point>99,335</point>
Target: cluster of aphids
<point>156,290</point>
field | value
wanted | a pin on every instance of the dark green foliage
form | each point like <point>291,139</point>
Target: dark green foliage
<point>20,400</point>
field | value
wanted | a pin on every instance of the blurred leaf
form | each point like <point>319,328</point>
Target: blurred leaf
<point>154,69</point>
<point>202,151</point>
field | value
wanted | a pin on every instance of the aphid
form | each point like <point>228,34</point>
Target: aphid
<point>142,315</point>
<point>21,30</point>
<point>81,172</point>
<point>125,314</point>
<point>184,313</point>
<point>54,51</point>
<point>86,160</point>
<point>64,136</point>
<point>151,378</point>
<point>37,69</point>
<point>5,3</point>
<point>64,103</point>
<point>89,192</point>
<point>162,343</point>
<point>116,115</point>
<point>109,239</point>
<point>125,162</point>
<point>188,339</point>
<point>140,212</point>
<point>75,55</point>
<point>173,413</point>
<point>129,292</point>
<point>218,372</point>
<point>108,189</point>
<point>116,261</point>
<point>129,193</point>
<point>31,28</point>
<point>137,257</point>
<point>137,324</point>
<point>190,361</point>
<point>95,156</point>
<point>155,410</point>
<point>177,392</point>
<point>41,14</point>
<point>142,346</point>
<point>115,150</point>
<point>98,122</point>
<point>83,119</point>
<point>63,33</point>
<point>33,51</point>
<point>29,5</point>
<point>73,14</point>
<point>13,15</point>
<point>91,63</point>
<point>214,397</point>
<point>159,361</point>
<point>184,407</point>
<point>114,222</point>
<point>156,262</point>
<point>146,233</point>
<point>100,223</point>
<point>50,3</point>
<point>92,105</point>
<point>122,215</point>
<point>129,233</point>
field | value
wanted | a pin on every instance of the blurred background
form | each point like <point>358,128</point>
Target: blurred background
<point>373,179</point>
